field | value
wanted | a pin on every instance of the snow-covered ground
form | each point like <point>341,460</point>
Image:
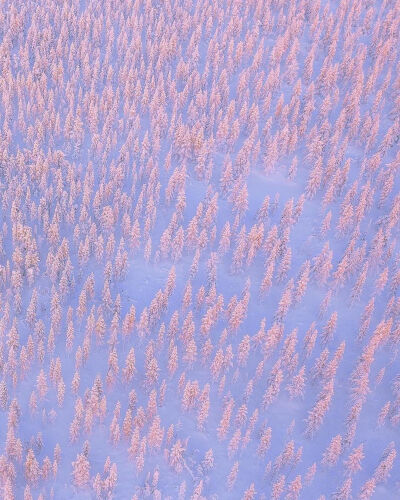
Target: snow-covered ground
<point>199,265</point>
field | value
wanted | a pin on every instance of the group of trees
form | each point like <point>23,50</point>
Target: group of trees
<point>136,138</point>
